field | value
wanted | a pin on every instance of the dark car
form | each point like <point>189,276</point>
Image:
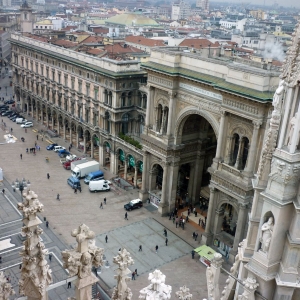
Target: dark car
<point>133,204</point>
<point>7,113</point>
<point>63,153</point>
<point>10,101</point>
<point>51,146</point>
<point>3,106</point>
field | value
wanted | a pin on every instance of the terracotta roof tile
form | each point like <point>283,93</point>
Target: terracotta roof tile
<point>64,43</point>
<point>121,48</point>
<point>198,43</point>
<point>92,39</point>
<point>144,41</point>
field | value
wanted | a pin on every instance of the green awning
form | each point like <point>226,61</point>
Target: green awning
<point>206,252</point>
<point>131,161</point>
<point>121,155</point>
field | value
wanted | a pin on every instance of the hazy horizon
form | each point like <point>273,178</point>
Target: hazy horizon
<point>284,3</point>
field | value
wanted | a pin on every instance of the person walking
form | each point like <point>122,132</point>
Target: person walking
<point>176,222</point>
<point>101,205</point>
<point>106,238</point>
<point>165,232</point>
<point>133,276</point>
<point>79,188</point>
<point>75,191</point>
<point>57,197</point>
<point>3,191</point>
<point>37,137</point>
<point>140,248</point>
<point>69,285</point>
<point>104,200</point>
<point>156,249</point>
<point>187,219</point>
<point>47,224</point>
<point>136,272</point>
<point>21,156</point>
<point>50,257</point>
<point>126,216</point>
<point>0,259</point>
<point>182,224</point>
<point>166,241</point>
<point>48,175</point>
<point>193,254</point>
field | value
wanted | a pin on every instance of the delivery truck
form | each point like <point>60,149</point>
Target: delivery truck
<point>72,164</point>
<point>84,169</point>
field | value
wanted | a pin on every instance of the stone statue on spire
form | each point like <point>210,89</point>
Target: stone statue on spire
<point>6,289</point>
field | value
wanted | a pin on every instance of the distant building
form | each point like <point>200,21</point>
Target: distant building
<point>203,4</point>
<point>258,14</point>
<point>180,10</point>
<point>4,47</point>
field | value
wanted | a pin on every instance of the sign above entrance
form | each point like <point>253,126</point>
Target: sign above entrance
<point>200,91</point>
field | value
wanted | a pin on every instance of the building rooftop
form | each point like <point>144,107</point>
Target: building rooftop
<point>144,41</point>
<point>132,19</point>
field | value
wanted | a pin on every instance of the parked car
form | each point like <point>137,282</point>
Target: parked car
<point>27,124</point>
<point>21,120</point>
<point>9,101</point>
<point>73,182</point>
<point>3,106</point>
<point>51,146</point>
<point>133,204</point>
<point>13,116</point>
<point>57,148</point>
<point>63,153</point>
<point>7,113</point>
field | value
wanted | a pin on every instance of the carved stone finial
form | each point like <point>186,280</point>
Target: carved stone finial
<point>81,260</point>
<point>157,290</point>
<point>122,291</point>
<point>212,277</point>
<point>6,289</point>
<point>184,293</point>
<point>250,285</point>
<point>35,273</point>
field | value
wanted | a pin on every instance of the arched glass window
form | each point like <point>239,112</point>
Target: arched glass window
<point>123,100</point>
<point>235,148</point>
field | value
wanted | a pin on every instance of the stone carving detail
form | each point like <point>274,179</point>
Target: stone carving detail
<point>122,291</point>
<point>283,173</point>
<point>212,277</point>
<point>229,288</point>
<point>229,186</point>
<point>160,81</point>
<point>266,235</point>
<point>184,293</point>
<point>35,272</point>
<point>250,285</point>
<point>81,260</point>
<point>157,290</point>
<point>291,67</point>
<point>271,137</point>
<point>6,289</point>
<point>241,106</point>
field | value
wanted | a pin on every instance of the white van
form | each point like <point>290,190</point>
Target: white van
<point>20,120</point>
<point>97,186</point>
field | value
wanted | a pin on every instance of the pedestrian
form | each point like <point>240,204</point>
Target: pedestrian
<point>37,137</point>
<point>133,276</point>
<point>126,216</point>
<point>166,241</point>
<point>194,233</point>
<point>156,248</point>
<point>48,175</point>
<point>11,130</point>
<point>79,189</point>
<point>26,150</point>
<point>106,238</point>
<point>194,211</point>
<point>176,222</point>
<point>50,257</point>
<point>75,191</point>
<point>69,149</point>
<point>104,200</point>
<point>47,224</point>
<point>193,254</point>
<point>101,205</point>
<point>21,156</point>
<point>187,219</point>
<point>182,224</point>
<point>173,219</point>
<point>0,259</point>
<point>20,266</point>
<point>135,271</point>
<point>69,284</point>
<point>57,197</point>
<point>165,232</point>
<point>140,248</point>
<point>3,191</point>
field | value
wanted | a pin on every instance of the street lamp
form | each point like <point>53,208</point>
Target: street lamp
<point>20,185</point>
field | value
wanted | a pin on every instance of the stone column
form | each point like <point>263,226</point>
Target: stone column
<point>52,121</point>
<point>71,134</point>
<point>143,194</point>
<point>64,129</point>
<point>163,120</point>
<point>170,116</point>
<point>213,276</point>
<point>77,139</point>
<point>47,119</point>
<point>58,127</point>
<point>135,176</point>
<point>253,149</point>
<point>217,226</point>
<point>149,103</point>
<point>210,210</point>
<point>199,163</point>
<point>37,112</point>
<point>191,182</point>
<point>240,226</point>
<point>220,137</point>
<point>239,154</point>
<point>114,163</point>
<point>84,143</point>
<point>125,168</point>
<point>156,118</point>
<point>101,150</point>
<point>163,200</point>
<point>92,149</point>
